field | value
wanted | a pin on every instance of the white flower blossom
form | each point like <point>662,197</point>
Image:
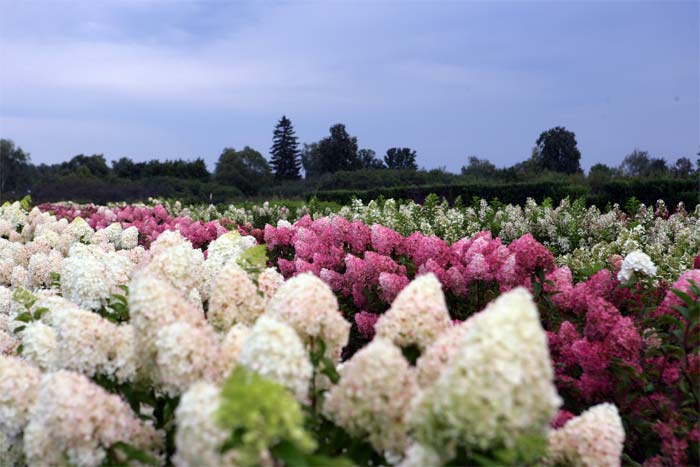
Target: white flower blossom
<point>74,421</point>
<point>19,382</point>
<point>594,438</point>
<point>636,262</point>
<point>233,298</point>
<point>186,354</point>
<point>497,387</point>
<point>198,437</point>
<point>274,350</point>
<point>373,396</point>
<point>417,315</point>
<point>308,304</point>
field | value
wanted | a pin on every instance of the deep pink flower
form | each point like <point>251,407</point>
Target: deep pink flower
<point>561,418</point>
<point>365,323</point>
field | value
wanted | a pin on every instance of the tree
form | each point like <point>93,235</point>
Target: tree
<point>482,168</point>
<point>94,165</point>
<point>246,170</point>
<point>311,160</point>
<point>400,158</point>
<point>641,164</point>
<point>658,167</point>
<point>601,172</point>
<point>557,151</point>
<point>124,167</point>
<point>370,160</point>
<point>285,151</point>
<point>339,151</point>
<point>14,168</point>
<point>683,168</point>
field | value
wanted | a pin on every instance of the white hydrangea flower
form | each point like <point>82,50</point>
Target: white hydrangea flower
<point>90,344</point>
<point>417,315</point>
<point>74,421</point>
<point>8,343</point>
<point>231,346</point>
<point>309,305</point>
<point>113,233</point>
<point>233,299</point>
<point>129,238</point>
<point>19,383</point>
<point>186,354</point>
<point>198,437</point>
<point>438,354</point>
<point>5,301</point>
<point>79,230</point>
<point>90,275</point>
<point>167,239</point>
<point>225,249</point>
<point>136,256</point>
<point>19,277</point>
<point>39,345</point>
<point>196,300</point>
<point>181,265</point>
<point>153,304</point>
<point>5,228</point>
<point>41,265</point>
<point>373,396</point>
<point>636,262</point>
<point>269,282</point>
<point>594,438</point>
<point>274,350</point>
<point>14,214</point>
<point>497,387</point>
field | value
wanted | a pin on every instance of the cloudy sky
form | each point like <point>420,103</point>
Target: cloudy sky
<point>186,78</point>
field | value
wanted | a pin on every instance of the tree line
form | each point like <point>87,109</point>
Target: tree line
<point>246,172</point>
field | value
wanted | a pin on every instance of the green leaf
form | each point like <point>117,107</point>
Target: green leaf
<point>25,317</point>
<point>687,299</point>
<point>39,312</point>
<point>289,454</point>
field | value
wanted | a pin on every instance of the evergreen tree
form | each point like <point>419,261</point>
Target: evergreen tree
<point>285,151</point>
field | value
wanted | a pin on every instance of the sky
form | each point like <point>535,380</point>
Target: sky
<point>185,78</point>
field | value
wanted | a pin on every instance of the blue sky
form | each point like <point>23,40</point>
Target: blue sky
<point>185,78</point>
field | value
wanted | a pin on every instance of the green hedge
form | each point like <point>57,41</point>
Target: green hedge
<point>648,191</point>
<point>90,189</point>
<point>672,191</point>
<point>515,193</point>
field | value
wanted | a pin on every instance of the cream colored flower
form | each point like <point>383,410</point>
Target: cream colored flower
<point>274,350</point>
<point>417,315</point>
<point>233,299</point>
<point>373,396</point>
<point>594,438</point>
<point>497,387</point>
<point>307,304</point>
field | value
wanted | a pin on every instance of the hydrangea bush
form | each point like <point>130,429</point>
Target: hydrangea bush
<point>137,335</point>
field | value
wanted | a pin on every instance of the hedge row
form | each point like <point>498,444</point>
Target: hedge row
<point>672,191</point>
<point>104,190</point>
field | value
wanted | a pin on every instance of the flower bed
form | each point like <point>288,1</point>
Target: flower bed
<point>334,342</point>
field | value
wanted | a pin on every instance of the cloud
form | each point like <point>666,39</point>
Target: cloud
<point>449,79</point>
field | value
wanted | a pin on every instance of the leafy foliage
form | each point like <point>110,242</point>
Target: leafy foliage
<point>262,415</point>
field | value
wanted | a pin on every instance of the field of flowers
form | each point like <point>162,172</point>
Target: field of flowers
<point>372,334</point>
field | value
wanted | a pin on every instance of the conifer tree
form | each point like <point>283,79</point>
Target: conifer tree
<point>285,152</point>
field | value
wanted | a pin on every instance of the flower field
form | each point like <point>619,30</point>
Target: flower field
<point>384,333</point>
